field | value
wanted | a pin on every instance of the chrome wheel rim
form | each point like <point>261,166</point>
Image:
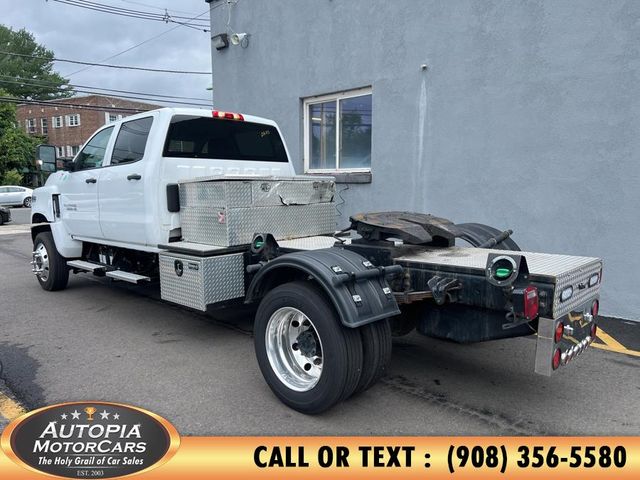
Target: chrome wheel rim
<point>27,202</point>
<point>41,262</point>
<point>294,349</point>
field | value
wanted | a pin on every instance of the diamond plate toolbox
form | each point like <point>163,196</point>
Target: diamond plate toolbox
<point>200,281</point>
<point>228,211</point>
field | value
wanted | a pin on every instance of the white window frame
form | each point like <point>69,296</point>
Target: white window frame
<point>305,128</point>
<point>57,122</point>
<point>44,127</point>
<point>31,125</point>
<point>60,152</point>
<point>70,116</point>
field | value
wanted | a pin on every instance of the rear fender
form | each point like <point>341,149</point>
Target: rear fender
<point>357,302</point>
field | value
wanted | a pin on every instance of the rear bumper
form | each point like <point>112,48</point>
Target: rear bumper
<point>579,327</point>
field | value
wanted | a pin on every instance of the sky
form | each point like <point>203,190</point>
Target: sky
<point>77,33</point>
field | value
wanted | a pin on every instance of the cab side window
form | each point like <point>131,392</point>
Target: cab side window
<point>93,153</point>
<point>131,141</point>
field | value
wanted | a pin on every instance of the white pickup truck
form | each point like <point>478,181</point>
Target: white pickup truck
<point>207,205</point>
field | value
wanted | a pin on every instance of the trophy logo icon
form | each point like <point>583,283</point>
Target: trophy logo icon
<point>90,411</point>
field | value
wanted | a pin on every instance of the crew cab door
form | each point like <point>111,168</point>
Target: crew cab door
<point>79,188</point>
<point>122,197</point>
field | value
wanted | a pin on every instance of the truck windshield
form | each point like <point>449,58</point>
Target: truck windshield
<point>201,137</point>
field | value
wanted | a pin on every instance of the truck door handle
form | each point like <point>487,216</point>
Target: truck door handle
<point>91,180</point>
<point>134,176</point>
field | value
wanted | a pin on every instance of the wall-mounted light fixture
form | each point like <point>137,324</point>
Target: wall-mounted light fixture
<point>241,39</point>
<point>220,41</point>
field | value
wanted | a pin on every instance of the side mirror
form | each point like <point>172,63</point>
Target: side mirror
<point>66,165</point>
<point>46,158</point>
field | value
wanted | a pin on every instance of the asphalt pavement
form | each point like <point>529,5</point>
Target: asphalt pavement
<point>107,341</point>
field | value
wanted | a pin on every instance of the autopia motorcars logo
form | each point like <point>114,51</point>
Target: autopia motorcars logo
<point>90,439</point>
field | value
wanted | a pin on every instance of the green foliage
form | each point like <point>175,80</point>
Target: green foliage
<point>32,71</point>
<point>12,177</point>
<point>17,149</point>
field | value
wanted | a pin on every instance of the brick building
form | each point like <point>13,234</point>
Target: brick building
<point>68,123</point>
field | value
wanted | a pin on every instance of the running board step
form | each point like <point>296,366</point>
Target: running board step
<point>86,266</point>
<point>127,276</point>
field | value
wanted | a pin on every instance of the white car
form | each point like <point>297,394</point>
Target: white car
<point>14,195</point>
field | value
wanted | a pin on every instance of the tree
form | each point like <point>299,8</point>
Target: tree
<point>17,149</point>
<point>12,177</point>
<point>31,76</point>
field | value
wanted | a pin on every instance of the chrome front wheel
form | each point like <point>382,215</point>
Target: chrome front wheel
<point>40,262</point>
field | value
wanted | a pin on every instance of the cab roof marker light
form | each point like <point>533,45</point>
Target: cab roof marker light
<point>227,115</point>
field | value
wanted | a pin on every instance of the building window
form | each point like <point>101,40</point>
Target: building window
<point>75,149</point>
<point>57,122</point>
<point>44,125</point>
<point>337,132</point>
<point>60,152</point>
<point>31,125</point>
<point>73,120</point>
<point>110,117</point>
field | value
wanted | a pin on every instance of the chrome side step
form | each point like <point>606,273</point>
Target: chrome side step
<point>127,276</point>
<point>86,266</point>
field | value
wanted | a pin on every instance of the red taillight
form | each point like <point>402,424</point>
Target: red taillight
<point>227,115</point>
<point>595,308</point>
<point>559,332</point>
<point>531,303</point>
<point>556,359</point>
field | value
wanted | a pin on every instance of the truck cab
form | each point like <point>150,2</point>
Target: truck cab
<point>114,192</point>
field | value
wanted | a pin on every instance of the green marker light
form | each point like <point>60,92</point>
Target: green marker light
<point>503,272</point>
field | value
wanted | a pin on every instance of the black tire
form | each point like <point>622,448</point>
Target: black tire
<point>406,322</point>
<point>58,272</point>
<point>27,202</point>
<point>376,353</point>
<point>341,348</point>
<point>478,233</point>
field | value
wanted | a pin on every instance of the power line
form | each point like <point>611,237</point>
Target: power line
<point>155,6</point>
<point>42,83</point>
<point>123,12</point>
<point>130,97</point>
<point>65,104</point>
<point>147,40</point>
<point>92,64</point>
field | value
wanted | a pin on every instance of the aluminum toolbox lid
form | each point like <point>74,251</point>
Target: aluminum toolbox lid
<point>546,267</point>
<point>257,178</point>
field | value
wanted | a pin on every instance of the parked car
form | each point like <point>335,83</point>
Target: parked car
<point>14,195</point>
<point>5,215</point>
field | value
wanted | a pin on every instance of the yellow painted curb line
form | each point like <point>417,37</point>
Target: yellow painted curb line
<point>609,340</point>
<point>9,408</point>
<point>612,345</point>
<point>633,353</point>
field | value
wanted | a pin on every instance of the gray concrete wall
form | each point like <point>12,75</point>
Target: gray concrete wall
<point>527,117</point>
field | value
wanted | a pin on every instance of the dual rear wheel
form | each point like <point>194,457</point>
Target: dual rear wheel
<point>308,358</point>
